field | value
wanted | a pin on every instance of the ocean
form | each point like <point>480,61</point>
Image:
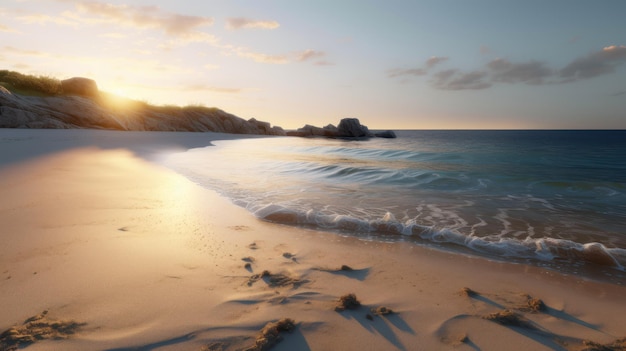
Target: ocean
<point>556,199</point>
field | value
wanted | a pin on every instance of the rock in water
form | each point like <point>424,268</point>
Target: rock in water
<point>352,128</point>
<point>80,86</point>
<point>385,134</point>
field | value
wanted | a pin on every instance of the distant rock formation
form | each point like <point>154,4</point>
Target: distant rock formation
<point>389,134</point>
<point>347,128</point>
<point>352,128</point>
<point>80,86</point>
<point>82,106</point>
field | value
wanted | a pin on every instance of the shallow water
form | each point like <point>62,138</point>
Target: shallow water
<point>555,198</point>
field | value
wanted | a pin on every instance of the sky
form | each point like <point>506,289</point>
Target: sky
<point>436,64</point>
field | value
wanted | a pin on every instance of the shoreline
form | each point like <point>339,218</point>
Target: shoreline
<point>97,234</point>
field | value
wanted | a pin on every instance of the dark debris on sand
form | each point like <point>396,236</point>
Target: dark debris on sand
<point>509,318</point>
<point>347,302</point>
<point>468,292</point>
<point>382,311</point>
<point>617,345</point>
<point>35,329</point>
<point>532,305</point>
<point>270,334</point>
<point>275,280</point>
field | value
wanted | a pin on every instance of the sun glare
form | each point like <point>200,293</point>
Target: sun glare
<point>118,98</point>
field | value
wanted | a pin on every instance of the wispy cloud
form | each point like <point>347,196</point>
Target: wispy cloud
<point>399,72</point>
<point>505,71</point>
<point>595,64</point>
<point>418,71</point>
<point>455,80</point>
<point>261,57</point>
<point>43,19</point>
<point>435,60</point>
<point>309,55</point>
<point>532,72</point>
<point>179,29</point>
<point>242,22</point>
<point>24,52</point>
<point>314,56</point>
<point>173,24</point>
<point>4,28</point>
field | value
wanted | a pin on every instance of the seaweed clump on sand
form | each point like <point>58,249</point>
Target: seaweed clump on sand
<point>270,334</point>
<point>468,292</point>
<point>275,280</point>
<point>382,311</point>
<point>617,345</point>
<point>509,318</point>
<point>347,302</point>
<point>533,305</point>
<point>35,329</point>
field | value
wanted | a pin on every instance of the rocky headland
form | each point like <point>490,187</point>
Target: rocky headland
<point>47,103</point>
<point>79,104</point>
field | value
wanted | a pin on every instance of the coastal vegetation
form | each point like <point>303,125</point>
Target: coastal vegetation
<point>25,84</point>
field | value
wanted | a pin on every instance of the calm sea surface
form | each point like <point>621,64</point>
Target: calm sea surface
<point>551,198</point>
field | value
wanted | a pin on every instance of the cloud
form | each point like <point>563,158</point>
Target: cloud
<point>418,71</point>
<point>619,93</point>
<point>399,72</point>
<point>4,28</point>
<point>454,80</point>
<point>312,55</point>
<point>173,24</point>
<point>18,51</point>
<point>532,72</point>
<point>242,22</point>
<point>505,71</point>
<point>435,60</point>
<point>300,56</point>
<point>308,55</point>
<point>595,64</point>
<point>43,19</point>
<point>260,57</point>
<point>323,63</point>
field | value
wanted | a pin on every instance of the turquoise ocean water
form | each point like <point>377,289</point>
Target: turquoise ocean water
<point>549,198</point>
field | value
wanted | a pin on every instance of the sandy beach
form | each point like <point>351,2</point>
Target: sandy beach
<point>104,249</point>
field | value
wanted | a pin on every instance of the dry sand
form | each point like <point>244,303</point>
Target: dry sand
<point>124,254</point>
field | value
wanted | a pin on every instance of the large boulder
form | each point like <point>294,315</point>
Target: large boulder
<point>80,86</point>
<point>352,128</point>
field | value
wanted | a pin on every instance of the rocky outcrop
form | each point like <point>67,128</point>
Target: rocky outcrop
<point>352,128</point>
<point>80,110</point>
<point>80,86</point>
<point>348,128</point>
<point>308,130</point>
